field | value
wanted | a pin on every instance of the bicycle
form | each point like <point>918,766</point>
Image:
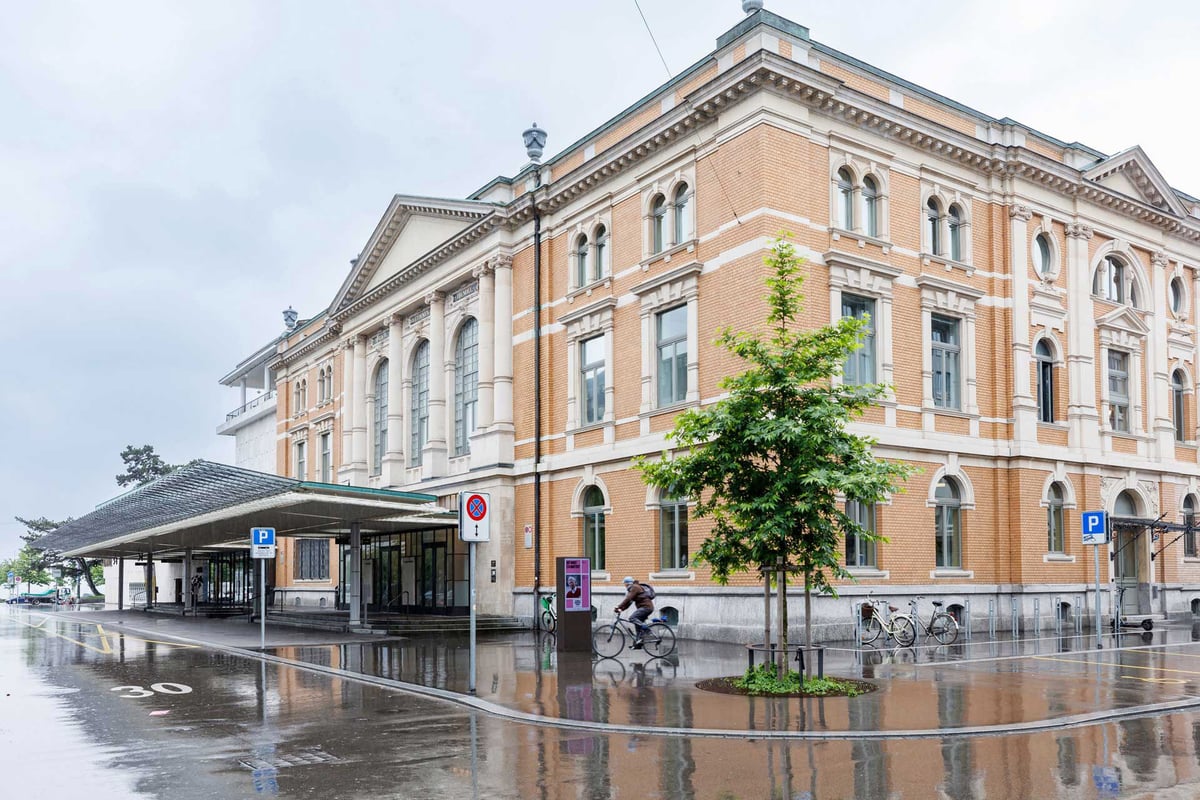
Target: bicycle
<point>898,627</point>
<point>941,626</point>
<point>658,639</point>
<point>548,617</point>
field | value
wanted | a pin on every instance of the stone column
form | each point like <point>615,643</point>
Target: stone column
<point>354,579</point>
<point>345,413</point>
<point>1025,410</point>
<point>120,584</point>
<point>502,393</point>
<point>393,461</point>
<point>1158,377</point>
<point>434,460</point>
<point>1081,343</point>
<point>485,273</point>
<point>358,440</point>
<point>188,605</point>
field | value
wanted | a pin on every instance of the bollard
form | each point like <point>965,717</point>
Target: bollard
<point>1058,615</point>
<point>1016,621</point>
<point>967,617</point>
<point>857,610</point>
<point>992,618</point>
<point>1037,616</point>
<point>1078,615</point>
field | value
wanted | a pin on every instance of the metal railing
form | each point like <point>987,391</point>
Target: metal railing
<point>262,399</point>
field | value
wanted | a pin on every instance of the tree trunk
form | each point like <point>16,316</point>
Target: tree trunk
<point>86,569</point>
<point>781,584</point>
<point>807,618</point>
<point>766,574</point>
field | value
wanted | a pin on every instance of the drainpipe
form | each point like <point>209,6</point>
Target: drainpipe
<point>535,141</point>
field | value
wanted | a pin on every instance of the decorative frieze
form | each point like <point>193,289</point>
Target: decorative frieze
<point>1077,230</point>
<point>465,292</point>
<point>1022,213</point>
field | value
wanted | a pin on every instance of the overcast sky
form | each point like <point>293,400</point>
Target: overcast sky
<point>178,173</point>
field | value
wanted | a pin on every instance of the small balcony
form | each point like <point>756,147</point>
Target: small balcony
<point>243,415</point>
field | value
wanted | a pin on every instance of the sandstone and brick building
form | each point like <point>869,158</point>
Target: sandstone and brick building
<point>1032,305</point>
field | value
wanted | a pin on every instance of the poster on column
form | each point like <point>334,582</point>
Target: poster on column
<point>577,596</point>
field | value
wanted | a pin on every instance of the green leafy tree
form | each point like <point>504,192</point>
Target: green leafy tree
<point>142,465</point>
<point>90,571</point>
<point>29,566</point>
<point>771,463</point>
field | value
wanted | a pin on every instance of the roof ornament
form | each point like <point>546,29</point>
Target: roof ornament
<point>535,142</point>
<point>750,6</point>
<point>289,318</point>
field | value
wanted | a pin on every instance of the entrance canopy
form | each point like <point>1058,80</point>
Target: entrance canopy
<point>210,506</point>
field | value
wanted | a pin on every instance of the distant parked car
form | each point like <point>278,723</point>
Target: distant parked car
<point>35,599</point>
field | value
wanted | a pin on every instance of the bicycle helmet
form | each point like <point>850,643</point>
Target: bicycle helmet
<point>627,580</point>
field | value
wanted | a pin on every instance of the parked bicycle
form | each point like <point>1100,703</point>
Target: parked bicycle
<point>549,617</point>
<point>941,626</point>
<point>880,618</point>
<point>658,639</point>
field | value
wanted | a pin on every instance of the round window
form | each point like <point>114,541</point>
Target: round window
<point>1177,295</point>
<point>1041,254</point>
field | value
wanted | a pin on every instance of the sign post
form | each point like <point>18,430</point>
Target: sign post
<point>262,547</point>
<point>1095,533</point>
<point>474,525</point>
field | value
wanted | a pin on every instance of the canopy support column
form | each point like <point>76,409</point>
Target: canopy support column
<point>120,584</point>
<point>189,597</point>
<point>355,577</point>
<point>150,587</point>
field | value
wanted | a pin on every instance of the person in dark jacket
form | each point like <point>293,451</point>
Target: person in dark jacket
<point>636,596</point>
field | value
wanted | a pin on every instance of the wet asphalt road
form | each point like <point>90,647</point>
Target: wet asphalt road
<point>119,715</point>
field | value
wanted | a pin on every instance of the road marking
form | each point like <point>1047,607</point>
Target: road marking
<point>1114,665</point>
<point>105,645</point>
<point>1172,681</point>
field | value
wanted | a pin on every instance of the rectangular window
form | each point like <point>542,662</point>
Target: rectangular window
<point>1045,391</point>
<point>672,355</point>
<point>301,463</point>
<point>1118,391</point>
<point>949,551</point>
<point>1177,413</point>
<point>1054,528</point>
<point>312,560</point>
<point>1189,533</point>
<point>947,370</point>
<point>591,358</point>
<point>672,531</point>
<point>860,365</point>
<point>593,538</point>
<point>860,551</point>
<point>327,458</point>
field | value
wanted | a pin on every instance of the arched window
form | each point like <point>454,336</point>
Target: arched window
<point>870,197</point>
<point>304,394</point>
<point>1125,506</point>
<point>379,422</point>
<point>933,220</point>
<point>600,254</point>
<point>1054,519</point>
<point>1177,295</point>
<point>1109,281</point>
<point>947,524</point>
<point>1178,406</point>
<point>683,213</point>
<point>860,551</point>
<point>845,206</point>
<point>1042,255</point>
<point>419,406</point>
<point>1189,521</point>
<point>321,386</point>
<point>593,526</point>
<point>955,218</point>
<point>1045,381</point>
<point>658,224</point>
<point>466,385</point>
<point>581,261</point>
<point>672,532</point>
<point>296,405</point>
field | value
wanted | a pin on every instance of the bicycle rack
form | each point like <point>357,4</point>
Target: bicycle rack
<point>1037,616</point>
<point>1078,615</point>
<point>967,617</point>
<point>1058,615</point>
<point>1016,619</point>
<point>992,618</point>
<point>858,626</point>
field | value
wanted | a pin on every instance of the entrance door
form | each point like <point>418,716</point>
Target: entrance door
<point>1128,546</point>
<point>433,576</point>
<point>179,591</point>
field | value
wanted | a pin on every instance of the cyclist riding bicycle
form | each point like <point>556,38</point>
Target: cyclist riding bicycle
<point>637,595</point>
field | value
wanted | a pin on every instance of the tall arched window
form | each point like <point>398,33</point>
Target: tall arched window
<point>1045,381</point>
<point>683,213</point>
<point>304,394</point>
<point>379,422</point>
<point>1189,521</point>
<point>419,406</point>
<point>933,221</point>
<point>658,224</point>
<point>1055,541</point>
<point>600,254</point>
<point>672,532</point>
<point>466,385</point>
<point>955,218</point>
<point>870,197</point>
<point>1109,281</point>
<point>1178,405</point>
<point>593,526</point>
<point>845,206</point>
<point>947,524</point>
<point>321,386</point>
<point>580,255</point>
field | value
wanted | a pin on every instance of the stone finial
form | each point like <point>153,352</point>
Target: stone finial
<point>290,316</point>
<point>535,142</point>
<point>750,6</point>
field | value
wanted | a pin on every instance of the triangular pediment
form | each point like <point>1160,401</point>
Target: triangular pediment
<point>410,229</point>
<point>1124,319</point>
<point>1132,174</point>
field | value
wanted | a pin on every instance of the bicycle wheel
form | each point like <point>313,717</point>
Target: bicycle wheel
<point>659,641</point>
<point>548,621</point>
<point>871,630</point>
<point>608,640</point>
<point>903,630</point>
<point>943,628</point>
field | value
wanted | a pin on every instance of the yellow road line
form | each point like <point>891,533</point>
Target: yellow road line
<point>1114,665</point>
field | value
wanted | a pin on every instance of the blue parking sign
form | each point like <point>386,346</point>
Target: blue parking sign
<point>1094,527</point>
<point>262,536</point>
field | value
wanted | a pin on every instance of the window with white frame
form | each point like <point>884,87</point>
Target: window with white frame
<point>658,224</point>
<point>845,199</point>
<point>1179,405</point>
<point>1114,281</point>
<point>946,352</point>
<point>321,386</point>
<point>860,365</point>
<point>592,379</point>
<point>1055,500</point>
<point>593,526</point>
<point>580,256</point>
<point>1189,521</point>
<point>301,462</point>
<point>1118,391</point>
<point>1177,295</point>
<point>1042,255</point>
<point>311,560</point>
<point>947,524</point>
<point>326,442</point>
<point>870,203</point>
<point>860,551</point>
<point>933,222</point>
<point>379,420</point>
<point>600,253</point>
<point>954,218</point>
<point>684,224</point>
<point>466,385</point>
<point>419,404</point>
<point>297,407</point>
<point>671,335</point>
<point>673,532</point>
<point>1045,381</point>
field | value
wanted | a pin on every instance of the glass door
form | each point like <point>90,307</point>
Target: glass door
<point>1128,547</point>
<point>433,576</point>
